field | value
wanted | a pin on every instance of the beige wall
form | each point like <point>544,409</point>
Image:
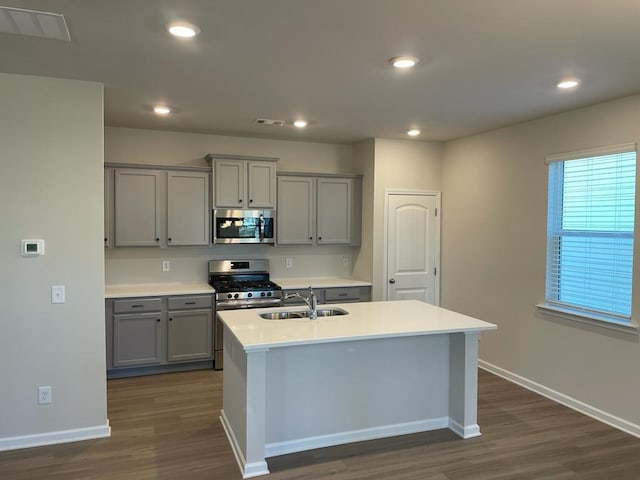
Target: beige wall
<point>129,145</point>
<point>493,256</point>
<point>132,265</point>
<point>51,188</point>
<point>399,165</point>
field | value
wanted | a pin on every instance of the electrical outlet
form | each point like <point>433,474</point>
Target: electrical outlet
<point>57,294</point>
<point>166,265</point>
<point>288,262</point>
<point>346,261</point>
<point>44,395</point>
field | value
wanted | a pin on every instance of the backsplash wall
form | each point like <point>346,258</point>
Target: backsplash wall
<point>190,264</point>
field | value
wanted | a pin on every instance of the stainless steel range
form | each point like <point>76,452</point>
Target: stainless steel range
<point>240,284</point>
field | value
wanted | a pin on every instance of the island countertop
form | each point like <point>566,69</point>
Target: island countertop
<point>366,320</point>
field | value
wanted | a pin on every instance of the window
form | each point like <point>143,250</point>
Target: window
<point>590,229</point>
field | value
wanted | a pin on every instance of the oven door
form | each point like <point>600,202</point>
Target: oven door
<point>234,305</point>
<point>244,226</point>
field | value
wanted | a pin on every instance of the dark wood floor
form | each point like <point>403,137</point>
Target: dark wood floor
<point>167,427</point>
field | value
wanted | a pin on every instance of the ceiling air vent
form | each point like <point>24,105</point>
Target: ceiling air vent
<point>34,23</point>
<point>268,121</point>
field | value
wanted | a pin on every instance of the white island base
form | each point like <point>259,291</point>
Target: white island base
<point>283,394</point>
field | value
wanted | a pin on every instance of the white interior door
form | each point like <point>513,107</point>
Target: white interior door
<point>412,247</point>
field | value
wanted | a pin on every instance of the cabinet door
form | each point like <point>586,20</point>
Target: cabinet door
<point>108,207</point>
<point>137,207</point>
<point>187,208</point>
<point>137,339</point>
<point>190,336</point>
<point>296,211</point>
<point>334,210</point>
<point>262,184</point>
<point>230,183</point>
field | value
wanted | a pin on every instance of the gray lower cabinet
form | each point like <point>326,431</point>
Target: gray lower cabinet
<point>347,294</point>
<point>156,334</point>
<point>137,339</point>
<point>190,328</point>
<point>332,295</point>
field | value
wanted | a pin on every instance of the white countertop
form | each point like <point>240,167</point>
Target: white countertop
<point>156,289</point>
<point>366,320</point>
<point>319,282</point>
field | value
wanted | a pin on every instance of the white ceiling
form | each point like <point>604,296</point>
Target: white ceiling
<point>484,63</point>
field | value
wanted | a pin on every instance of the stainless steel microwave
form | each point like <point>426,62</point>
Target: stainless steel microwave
<point>244,226</point>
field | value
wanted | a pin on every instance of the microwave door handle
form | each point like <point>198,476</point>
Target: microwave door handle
<point>261,227</point>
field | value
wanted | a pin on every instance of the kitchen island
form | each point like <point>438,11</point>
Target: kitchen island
<point>384,369</point>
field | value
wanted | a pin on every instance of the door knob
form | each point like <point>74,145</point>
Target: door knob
<point>392,280</point>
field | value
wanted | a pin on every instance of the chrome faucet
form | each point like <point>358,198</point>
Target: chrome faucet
<point>311,301</point>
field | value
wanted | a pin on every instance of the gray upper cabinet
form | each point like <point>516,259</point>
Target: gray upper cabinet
<point>296,210</point>
<point>108,207</point>
<point>318,210</point>
<point>160,208</point>
<point>138,204</point>
<point>243,182</point>
<point>261,181</point>
<point>335,210</point>
<point>187,208</point>
<point>230,183</point>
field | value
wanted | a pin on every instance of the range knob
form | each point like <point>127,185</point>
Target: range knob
<point>268,294</point>
<point>249,294</point>
<point>229,295</point>
<point>235,296</point>
<point>262,294</point>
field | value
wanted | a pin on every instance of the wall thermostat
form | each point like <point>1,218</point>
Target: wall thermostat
<point>31,248</point>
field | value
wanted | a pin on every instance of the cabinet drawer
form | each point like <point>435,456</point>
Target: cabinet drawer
<point>137,305</point>
<point>341,294</point>
<point>190,302</point>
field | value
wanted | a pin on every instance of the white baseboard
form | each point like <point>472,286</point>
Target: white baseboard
<point>309,443</point>
<point>51,438</point>
<point>468,431</point>
<point>567,401</point>
<point>248,470</point>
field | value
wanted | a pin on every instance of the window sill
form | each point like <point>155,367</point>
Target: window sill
<point>582,317</point>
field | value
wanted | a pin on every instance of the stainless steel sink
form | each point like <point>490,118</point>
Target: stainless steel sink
<point>322,312</point>
<point>282,315</point>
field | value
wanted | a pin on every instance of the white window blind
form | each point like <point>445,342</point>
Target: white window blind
<point>590,229</point>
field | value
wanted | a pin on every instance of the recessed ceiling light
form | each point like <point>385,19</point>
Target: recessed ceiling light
<point>300,123</point>
<point>414,132</point>
<point>183,29</point>
<point>162,110</point>
<point>568,83</point>
<point>404,61</point>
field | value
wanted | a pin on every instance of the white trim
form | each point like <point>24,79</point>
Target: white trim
<point>566,400</point>
<point>52,438</point>
<point>464,431</point>
<point>591,152</point>
<point>309,443</point>
<point>425,193</point>
<point>248,470</point>
<point>583,317</point>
